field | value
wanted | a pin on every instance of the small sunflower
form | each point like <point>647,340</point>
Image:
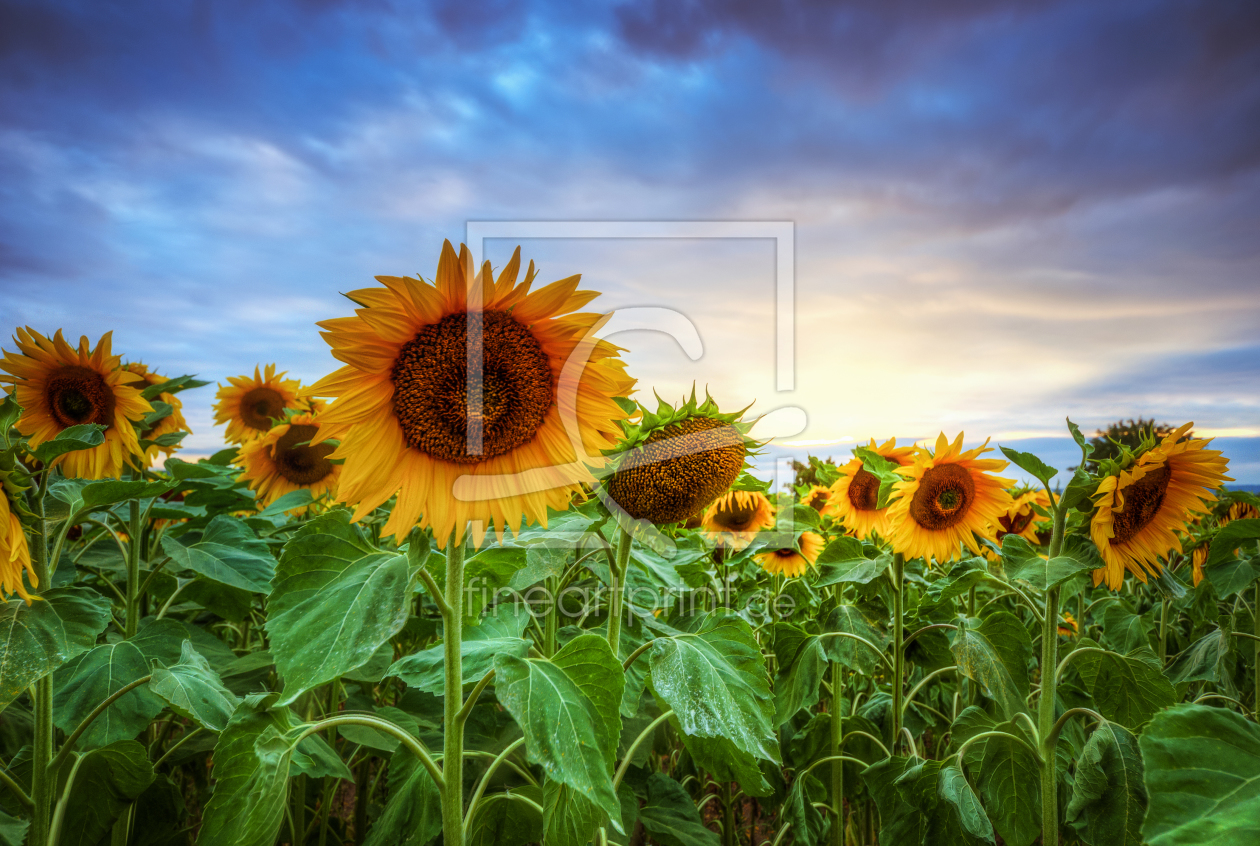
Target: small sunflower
<point>15,554</point>
<point>946,500</point>
<point>1238,511</point>
<point>173,422</point>
<point>792,561</point>
<point>1021,518</point>
<point>1138,511</point>
<point>676,461</point>
<point>1068,625</point>
<point>289,458</point>
<point>734,519</point>
<point>408,427</point>
<point>1197,559</point>
<point>856,493</point>
<point>59,387</point>
<point>820,499</point>
<point>249,406</point>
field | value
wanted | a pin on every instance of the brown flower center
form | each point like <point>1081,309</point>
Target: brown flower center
<point>78,395</point>
<point>1015,525</point>
<point>944,497</point>
<point>260,406</point>
<point>864,490</point>
<point>431,383</point>
<point>300,462</point>
<point>1142,500</point>
<point>819,499</point>
<point>736,517</point>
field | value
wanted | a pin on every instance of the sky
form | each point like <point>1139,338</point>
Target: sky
<point>1003,214</point>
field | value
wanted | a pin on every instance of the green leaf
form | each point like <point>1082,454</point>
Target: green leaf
<point>38,638</point>
<point>1010,783</point>
<point>107,781</point>
<point>1232,575</point>
<point>333,602</point>
<point>961,578</point>
<point>670,816</point>
<point>953,788</point>
<point>847,651</point>
<point>293,499</point>
<point>802,664</point>
<point>413,813</point>
<point>227,552</point>
<point>12,829</point>
<point>589,662</point>
<point>842,561</point>
<point>1203,777</point>
<point>1127,689</point>
<point>562,726</point>
<point>425,670</point>
<point>71,439</point>
<point>882,468</point>
<point>1031,464</point>
<point>996,654</point>
<point>1230,538</point>
<point>569,818</point>
<point>1123,630</point>
<point>485,574</point>
<point>716,681</point>
<point>809,826</point>
<point>1109,797</point>
<point>1022,562</point>
<point>86,681</point>
<point>971,721</point>
<point>172,386</point>
<point>503,821</point>
<point>1207,659</point>
<point>194,690</point>
<point>925,803</point>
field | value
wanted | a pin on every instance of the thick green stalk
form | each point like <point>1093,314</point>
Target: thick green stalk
<point>132,620</point>
<point>837,767</point>
<point>1046,715</point>
<point>43,782</point>
<point>1255,705</point>
<point>551,622</point>
<point>899,657</point>
<point>728,817</point>
<point>453,742</point>
<point>617,590</point>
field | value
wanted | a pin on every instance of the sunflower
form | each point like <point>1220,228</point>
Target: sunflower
<point>1068,625</point>
<point>173,422</point>
<point>1238,511</point>
<point>1138,511</point>
<point>288,458</point>
<point>819,498</point>
<point>1021,518</point>
<point>946,499</point>
<point>407,425</point>
<point>734,519</point>
<point>1197,559</point>
<point>676,461</point>
<point>15,554</point>
<point>792,561</point>
<point>856,493</point>
<point>59,387</point>
<point>250,406</point>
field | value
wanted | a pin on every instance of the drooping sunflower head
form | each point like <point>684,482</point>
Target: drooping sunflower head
<point>792,561</point>
<point>250,406</point>
<point>143,378</point>
<point>473,398</point>
<point>856,493</point>
<point>287,458</point>
<point>1237,511</point>
<point>821,499</point>
<point>1139,509</point>
<point>1197,559</point>
<point>59,387</point>
<point>946,500</point>
<point>1068,626</point>
<point>735,517</point>
<point>15,553</point>
<point>676,461</point>
<point>1022,517</point>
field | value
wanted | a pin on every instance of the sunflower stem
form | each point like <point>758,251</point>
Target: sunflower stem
<point>898,568</point>
<point>43,781</point>
<point>617,589</point>
<point>837,742</point>
<point>1049,683</point>
<point>132,620</point>
<point>1163,632</point>
<point>729,837</point>
<point>1255,616</point>
<point>453,701</point>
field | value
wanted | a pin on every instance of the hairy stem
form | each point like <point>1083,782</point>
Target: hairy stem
<point>453,701</point>
<point>1049,683</point>
<point>899,657</point>
<point>618,589</point>
<point>837,741</point>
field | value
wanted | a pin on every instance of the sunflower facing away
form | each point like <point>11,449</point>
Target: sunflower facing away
<point>1068,626</point>
<point>59,387</point>
<point>856,493</point>
<point>734,519</point>
<point>946,499</point>
<point>1197,559</point>
<point>288,458</point>
<point>1021,518</point>
<point>407,425</point>
<point>792,561</point>
<point>819,498</point>
<point>676,461</point>
<point>173,422</point>
<point>15,554</point>
<point>1238,511</point>
<point>249,406</point>
<point>1138,511</point>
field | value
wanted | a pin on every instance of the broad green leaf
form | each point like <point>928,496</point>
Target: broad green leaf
<point>953,788</point>
<point>1203,777</point>
<point>70,439</point>
<point>332,605</point>
<point>1123,630</point>
<point>1230,538</point>
<point>1009,779</point>
<point>227,552</point>
<point>926,803</point>
<point>485,574</point>
<point>107,781</point>
<point>971,721</point>
<point>715,679</point>
<point>589,662</point>
<point>562,726</point>
<point>1127,689</point>
<point>425,670</point>
<point>194,690</point>
<point>847,651</point>
<point>899,822</point>
<point>1232,575</point>
<point>1020,561</point>
<point>1109,797</point>
<point>726,762</point>
<point>842,561</point>
<point>961,578</point>
<point>504,821</point>
<point>569,818</point>
<point>86,681</point>
<point>996,654</point>
<point>1207,659</point>
<point>809,826</point>
<point>1031,464</point>
<point>12,829</point>
<point>884,469</point>
<point>802,664</point>
<point>669,815</point>
<point>38,638</point>
<point>375,668</point>
<point>293,499</point>
<point>541,562</point>
<point>413,813</point>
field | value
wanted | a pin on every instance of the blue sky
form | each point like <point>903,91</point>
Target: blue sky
<point>1005,213</point>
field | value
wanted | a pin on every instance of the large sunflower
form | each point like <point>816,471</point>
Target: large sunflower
<point>734,519</point>
<point>173,422</point>
<point>792,561</point>
<point>15,554</point>
<point>676,461</point>
<point>407,425</point>
<point>1138,511</point>
<point>1021,517</point>
<point>249,406</point>
<point>289,458</point>
<point>946,499</point>
<point>856,493</point>
<point>59,387</point>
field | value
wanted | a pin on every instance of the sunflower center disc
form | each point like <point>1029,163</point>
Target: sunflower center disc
<point>78,395</point>
<point>864,490</point>
<point>1142,500</point>
<point>305,464</point>
<point>820,500</point>
<point>1015,525</point>
<point>944,496</point>
<point>431,382</point>
<point>736,518</point>
<point>260,406</point>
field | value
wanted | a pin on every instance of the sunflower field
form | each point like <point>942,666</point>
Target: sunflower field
<point>471,588</point>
